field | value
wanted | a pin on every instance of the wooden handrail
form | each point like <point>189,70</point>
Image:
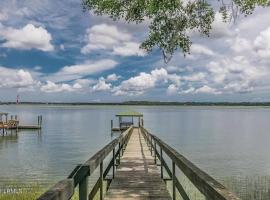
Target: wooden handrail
<point>207,185</point>
<point>64,189</point>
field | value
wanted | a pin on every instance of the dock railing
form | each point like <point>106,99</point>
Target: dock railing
<point>207,185</point>
<point>65,189</point>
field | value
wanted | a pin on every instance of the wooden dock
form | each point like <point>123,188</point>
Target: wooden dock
<point>137,177</point>
<point>132,173</point>
<point>14,124</point>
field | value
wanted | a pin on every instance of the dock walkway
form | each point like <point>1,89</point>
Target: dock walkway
<point>137,176</point>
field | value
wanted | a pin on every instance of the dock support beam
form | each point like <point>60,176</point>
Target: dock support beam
<point>101,181</point>
<point>155,154</point>
<point>161,163</point>
<point>173,181</point>
<point>83,189</point>
<point>113,162</point>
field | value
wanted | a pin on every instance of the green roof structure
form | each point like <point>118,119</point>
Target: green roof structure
<point>130,113</point>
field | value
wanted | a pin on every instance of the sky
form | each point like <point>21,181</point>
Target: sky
<point>57,52</point>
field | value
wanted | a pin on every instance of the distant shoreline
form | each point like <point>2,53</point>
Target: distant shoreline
<point>145,103</point>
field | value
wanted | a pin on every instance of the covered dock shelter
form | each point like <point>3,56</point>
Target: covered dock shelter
<point>3,117</point>
<point>126,119</point>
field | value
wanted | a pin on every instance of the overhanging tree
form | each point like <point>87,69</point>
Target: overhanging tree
<point>172,20</point>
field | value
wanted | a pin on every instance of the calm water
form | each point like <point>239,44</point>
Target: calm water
<point>231,144</point>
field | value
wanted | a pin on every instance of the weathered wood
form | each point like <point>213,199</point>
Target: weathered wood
<point>137,177</point>
<point>94,190</point>
<point>95,160</point>
<point>173,181</point>
<point>63,190</point>
<point>79,174</point>
<point>83,189</point>
<point>207,185</point>
<point>101,181</point>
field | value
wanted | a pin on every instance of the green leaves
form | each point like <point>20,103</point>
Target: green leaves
<point>171,21</point>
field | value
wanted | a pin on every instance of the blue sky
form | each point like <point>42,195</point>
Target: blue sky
<point>54,51</point>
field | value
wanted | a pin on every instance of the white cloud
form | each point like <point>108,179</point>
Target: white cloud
<point>102,86</point>
<point>187,91</point>
<point>110,38</point>
<point>207,89</point>
<point>139,84</point>
<point>112,77</point>
<point>85,82</point>
<point>16,78</point>
<point>201,50</point>
<point>172,89</point>
<point>79,71</point>
<point>239,45</point>
<point>200,76</point>
<point>28,37</point>
<point>220,28</point>
<point>129,49</point>
<point>262,44</point>
<point>51,87</point>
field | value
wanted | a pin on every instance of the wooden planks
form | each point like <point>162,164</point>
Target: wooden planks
<point>207,185</point>
<point>137,177</point>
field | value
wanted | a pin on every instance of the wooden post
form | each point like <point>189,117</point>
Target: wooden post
<point>83,188</point>
<point>101,180</point>
<point>173,180</point>
<point>113,162</point>
<point>161,163</point>
<point>120,121</point>
<point>155,152</point>
<point>122,144</point>
<point>111,124</point>
<point>151,148</point>
<point>40,121</point>
<point>119,156</point>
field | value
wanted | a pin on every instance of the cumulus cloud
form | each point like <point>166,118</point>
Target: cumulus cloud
<point>239,45</point>
<point>112,77</point>
<point>102,86</point>
<point>28,37</point>
<point>262,44</point>
<point>110,38</point>
<point>172,89</point>
<point>16,78</point>
<point>51,87</point>
<point>207,89</point>
<point>79,71</point>
<point>139,84</point>
<point>201,50</point>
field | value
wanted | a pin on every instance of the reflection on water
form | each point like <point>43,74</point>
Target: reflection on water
<point>231,144</point>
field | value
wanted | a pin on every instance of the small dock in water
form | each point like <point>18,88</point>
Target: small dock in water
<point>14,124</point>
<point>126,119</point>
<point>137,165</point>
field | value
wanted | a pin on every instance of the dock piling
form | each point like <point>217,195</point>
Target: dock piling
<point>101,181</point>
